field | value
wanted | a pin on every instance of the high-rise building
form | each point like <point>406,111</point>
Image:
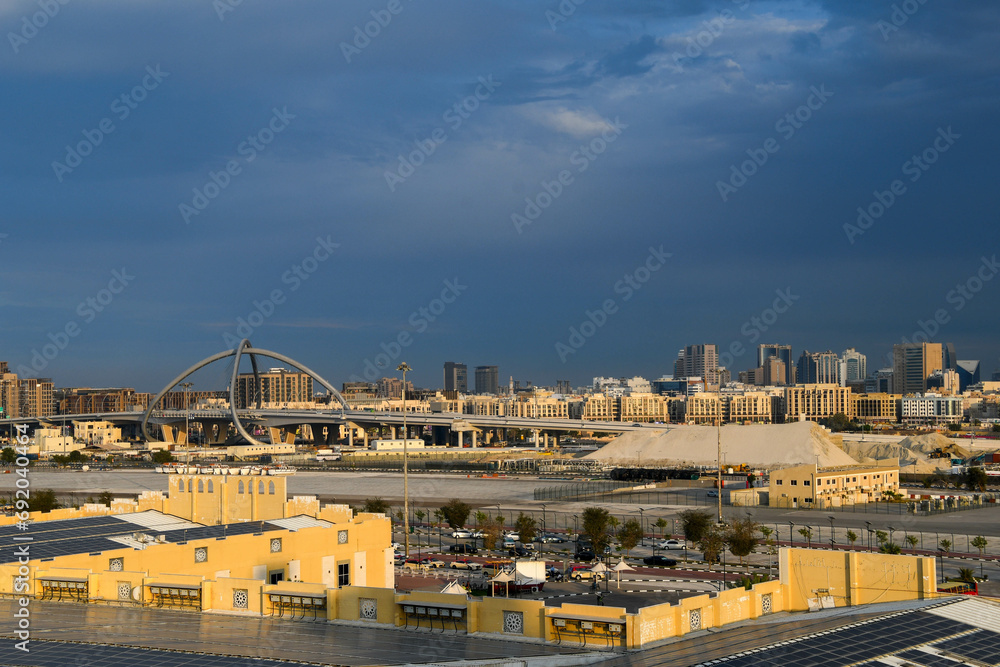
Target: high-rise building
<point>774,372</point>
<point>782,352</point>
<point>35,397</point>
<point>880,382</point>
<point>949,360</point>
<point>701,361</point>
<point>854,366</point>
<point>912,364</point>
<point>818,368</point>
<point>968,373</point>
<point>277,385</point>
<point>487,380</point>
<point>456,377</point>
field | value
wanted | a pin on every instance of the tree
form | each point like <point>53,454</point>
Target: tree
<point>8,455</point>
<point>695,523</point>
<point>437,517</point>
<point>661,523</point>
<point>967,575</point>
<point>596,523</point>
<point>420,514</point>
<point>526,526</point>
<point>889,548</point>
<point>43,501</point>
<point>741,537</point>
<point>980,543</point>
<point>996,428</point>
<point>630,534</point>
<point>492,529</point>
<point>881,537</point>
<point>912,541</point>
<point>852,537</point>
<point>840,422</point>
<point>712,544</point>
<point>376,506</point>
<point>480,518</point>
<point>807,535</point>
<point>945,545</point>
<point>105,498</point>
<point>162,456</point>
<point>976,479</point>
<point>954,427</point>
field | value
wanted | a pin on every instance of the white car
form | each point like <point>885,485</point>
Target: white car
<point>513,536</point>
<point>670,544</point>
<point>461,533</point>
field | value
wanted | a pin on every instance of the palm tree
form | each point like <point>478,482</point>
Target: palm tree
<point>852,537</point>
<point>807,534</point>
<point>661,523</point>
<point>912,541</point>
<point>980,543</point>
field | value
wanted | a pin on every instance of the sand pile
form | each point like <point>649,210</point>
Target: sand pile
<point>913,452</point>
<point>759,445</point>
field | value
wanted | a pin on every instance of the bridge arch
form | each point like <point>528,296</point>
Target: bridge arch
<point>244,347</point>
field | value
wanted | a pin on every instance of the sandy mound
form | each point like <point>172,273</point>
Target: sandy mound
<point>760,445</point>
<point>913,452</point>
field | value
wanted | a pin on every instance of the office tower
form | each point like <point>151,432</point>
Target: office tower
<point>854,365</point>
<point>774,373</point>
<point>912,364</point>
<point>949,360</point>
<point>880,382</point>
<point>968,373</point>
<point>827,367</point>
<point>805,368</point>
<point>487,380</point>
<point>782,352</point>
<point>456,377</point>
<point>679,365</point>
<point>700,361</point>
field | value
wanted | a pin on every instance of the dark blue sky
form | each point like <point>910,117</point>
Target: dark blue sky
<point>641,107</point>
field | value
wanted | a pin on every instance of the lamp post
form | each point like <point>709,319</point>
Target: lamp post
<point>791,534</point>
<point>833,537</point>
<point>543,518</point>
<point>642,524</point>
<point>868,528</point>
<point>718,459</point>
<point>891,531</point>
<point>187,426</point>
<point>404,367</point>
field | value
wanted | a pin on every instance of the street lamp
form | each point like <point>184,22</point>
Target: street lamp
<point>187,426</point>
<point>718,459</point>
<point>404,367</point>
<point>833,537</point>
<point>791,534</point>
<point>868,528</point>
<point>543,518</point>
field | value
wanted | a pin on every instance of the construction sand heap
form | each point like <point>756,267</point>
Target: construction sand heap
<point>914,452</point>
<point>758,445</point>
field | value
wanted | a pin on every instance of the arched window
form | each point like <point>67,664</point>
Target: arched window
<point>270,488</point>
<point>211,487</point>
<point>240,488</point>
<point>201,486</point>
<point>190,485</point>
<point>260,487</point>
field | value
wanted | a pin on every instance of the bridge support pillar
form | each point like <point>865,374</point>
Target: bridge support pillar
<point>460,444</point>
<point>538,442</point>
<point>474,440</point>
<point>392,429</point>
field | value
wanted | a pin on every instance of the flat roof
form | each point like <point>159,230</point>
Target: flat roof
<point>67,537</point>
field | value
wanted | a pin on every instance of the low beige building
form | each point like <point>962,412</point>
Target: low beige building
<point>811,486</point>
<point>814,402</point>
<point>876,408</point>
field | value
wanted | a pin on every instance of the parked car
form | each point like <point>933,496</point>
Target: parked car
<point>581,572</point>
<point>670,544</point>
<point>465,564</point>
<point>478,534</point>
<point>414,563</point>
<point>462,534</point>
<point>512,536</point>
<point>518,551</point>
<point>399,557</point>
<point>712,493</point>
<point>463,549</point>
<point>549,538</point>
<point>662,561</point>
<point>585,553</point>
<point>508,543</point>
<point>434,562</point>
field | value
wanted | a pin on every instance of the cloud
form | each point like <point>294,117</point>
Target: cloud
<point>577,123</point>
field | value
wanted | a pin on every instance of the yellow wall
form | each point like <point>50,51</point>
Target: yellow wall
<point>263,497</point>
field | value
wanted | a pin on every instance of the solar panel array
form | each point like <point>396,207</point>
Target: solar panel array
<point>855,643</point>
<point>982,646</point>
<point>925,659</point>
<point>50,539</point>
<point>59,654</point>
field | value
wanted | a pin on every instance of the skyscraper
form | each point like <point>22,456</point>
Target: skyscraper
<point>487,380</point>
<point>784,353</point>
<point>456,377</point>
<point>700,361</point>
<point>855,366</point>
<point>968,373</point>
<point>949,360</point>
<point>912,364</point>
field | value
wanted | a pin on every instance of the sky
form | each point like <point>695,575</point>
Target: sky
<point>564,190</point>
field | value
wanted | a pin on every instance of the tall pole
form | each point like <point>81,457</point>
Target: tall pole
<point>187,425</point>
<point>406,470</point>
<point>719,459</point>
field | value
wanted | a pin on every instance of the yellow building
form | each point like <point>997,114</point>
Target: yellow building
<point>599,407</point>
<point>643,408</point>
<point>809,486</point>
<point>750,408</point>
<point>876,408</point>
<point>703,408</point>
<point>816,401</point>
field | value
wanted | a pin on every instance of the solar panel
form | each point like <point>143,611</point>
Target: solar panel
<point>982,646</point>
<point>927,659</point>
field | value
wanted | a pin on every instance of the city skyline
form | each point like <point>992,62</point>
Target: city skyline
<point>599,188</point>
